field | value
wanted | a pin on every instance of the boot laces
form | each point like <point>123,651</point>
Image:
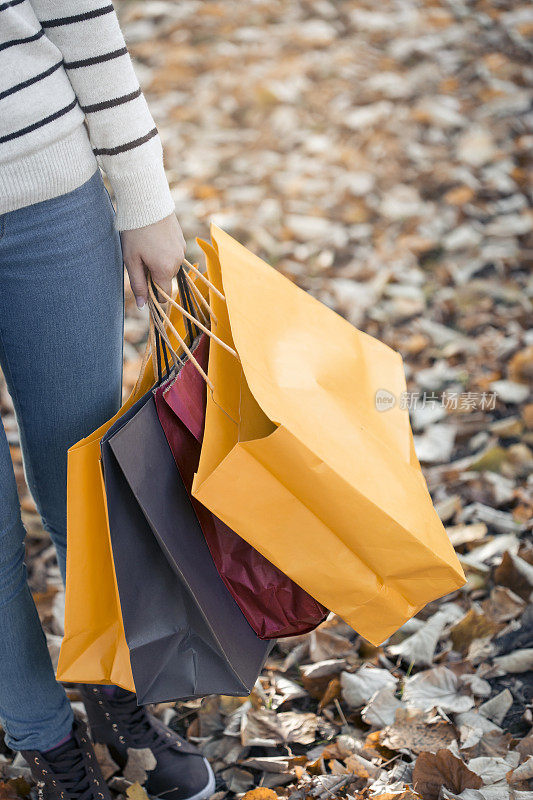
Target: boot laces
<point>137,722</point>
<point>71,770</point>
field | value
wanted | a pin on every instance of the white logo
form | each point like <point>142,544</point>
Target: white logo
<point>384,400</point>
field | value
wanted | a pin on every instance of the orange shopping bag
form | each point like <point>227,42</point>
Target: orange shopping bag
<point>94,648</point>
<point>298,460</point>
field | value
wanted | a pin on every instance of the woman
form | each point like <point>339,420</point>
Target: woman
<point>69,103</point>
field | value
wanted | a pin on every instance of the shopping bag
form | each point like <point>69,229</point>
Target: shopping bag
<point>94,648</point>
<point>186,635</point>
<point>273,604</point>
<point>298,458</point>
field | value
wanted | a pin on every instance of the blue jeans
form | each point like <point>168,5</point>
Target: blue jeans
<point>61,340</point>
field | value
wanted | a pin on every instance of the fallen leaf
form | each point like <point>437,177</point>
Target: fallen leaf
<point>326,644</point>
<point>333,691</point>
<point>382,708</point>
<point>525,747</point>
<point>503,605</point>
<point>491,743</point>
<point>20,786</point>
<point>284,691</point>
<point>358,687</point>
<point>265,728</point>
<point>140,762</point>
<point>317,677</point>
<point>466,534</point>
<point>492,769</point>
<point>361,767</point>
<point>278,764</point>
<point>517,661</point>
<point>420,647</point>
<point>515,573</point>
<point>260,794</point>
<point>437,687</point>
<point>105,761</point>
<point>433,770</point>
<point>522,773</point>
<point>497,707</point>
<point>417,731</point>
<point>136,792</point>
<point>7,791</point>
<point>472,626</point>
<point>237,779</point>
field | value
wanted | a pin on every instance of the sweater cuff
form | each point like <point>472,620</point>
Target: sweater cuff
<point>142,197</point>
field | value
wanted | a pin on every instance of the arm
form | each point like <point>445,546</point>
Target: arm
<point>122,133</point>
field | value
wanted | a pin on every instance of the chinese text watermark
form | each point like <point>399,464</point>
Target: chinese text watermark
<point>450,400</point>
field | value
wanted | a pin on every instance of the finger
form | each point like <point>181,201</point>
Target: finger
<point>163,278</point>
<point>138,283</point>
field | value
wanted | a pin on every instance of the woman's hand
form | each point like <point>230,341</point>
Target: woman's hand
<point>158,249</point>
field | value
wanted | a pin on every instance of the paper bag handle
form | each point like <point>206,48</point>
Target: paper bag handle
<point>186,314</point>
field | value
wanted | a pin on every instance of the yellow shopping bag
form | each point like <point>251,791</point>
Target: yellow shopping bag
<point>94,648</point>
<point>300,462</point>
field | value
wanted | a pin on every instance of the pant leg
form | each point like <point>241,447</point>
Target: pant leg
<point>61,339</point>
<point>32,703</point>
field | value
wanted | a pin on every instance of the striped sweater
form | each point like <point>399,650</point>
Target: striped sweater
<point>70,102</point>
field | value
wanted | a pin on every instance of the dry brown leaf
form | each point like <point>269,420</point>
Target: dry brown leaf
<point>492,743</point>
<point>21,786</point>
<point>521,366</point>
<point>373,748</point>
<point>503,605</point>
<point>472,626</point>
<point>408,794</point>
<point>434,770</point>
<point>317,677</point>
<point>260,794</point>
<point>262,726</point>
<point>515,573</point>
<point>136,792</point>
<point>333,691</point>
<point>522,773</point>
<point>525,747</point>
<point>105,761</point>
<point>140,762</point>
<point>276,764</point>
<point>412,730</point>
<point>8,791</point>
<point>361,767</point>
<point>325,644</point>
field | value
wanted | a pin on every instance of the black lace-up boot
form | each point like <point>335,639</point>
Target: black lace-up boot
<point>70,771</point>
<point>181,773</point>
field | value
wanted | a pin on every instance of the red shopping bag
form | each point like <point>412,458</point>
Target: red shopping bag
<point>271,602</point>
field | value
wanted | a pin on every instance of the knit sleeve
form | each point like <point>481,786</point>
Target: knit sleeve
<point>121,129</point>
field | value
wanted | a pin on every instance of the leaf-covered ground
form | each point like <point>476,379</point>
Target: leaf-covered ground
<point>378,155</point>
